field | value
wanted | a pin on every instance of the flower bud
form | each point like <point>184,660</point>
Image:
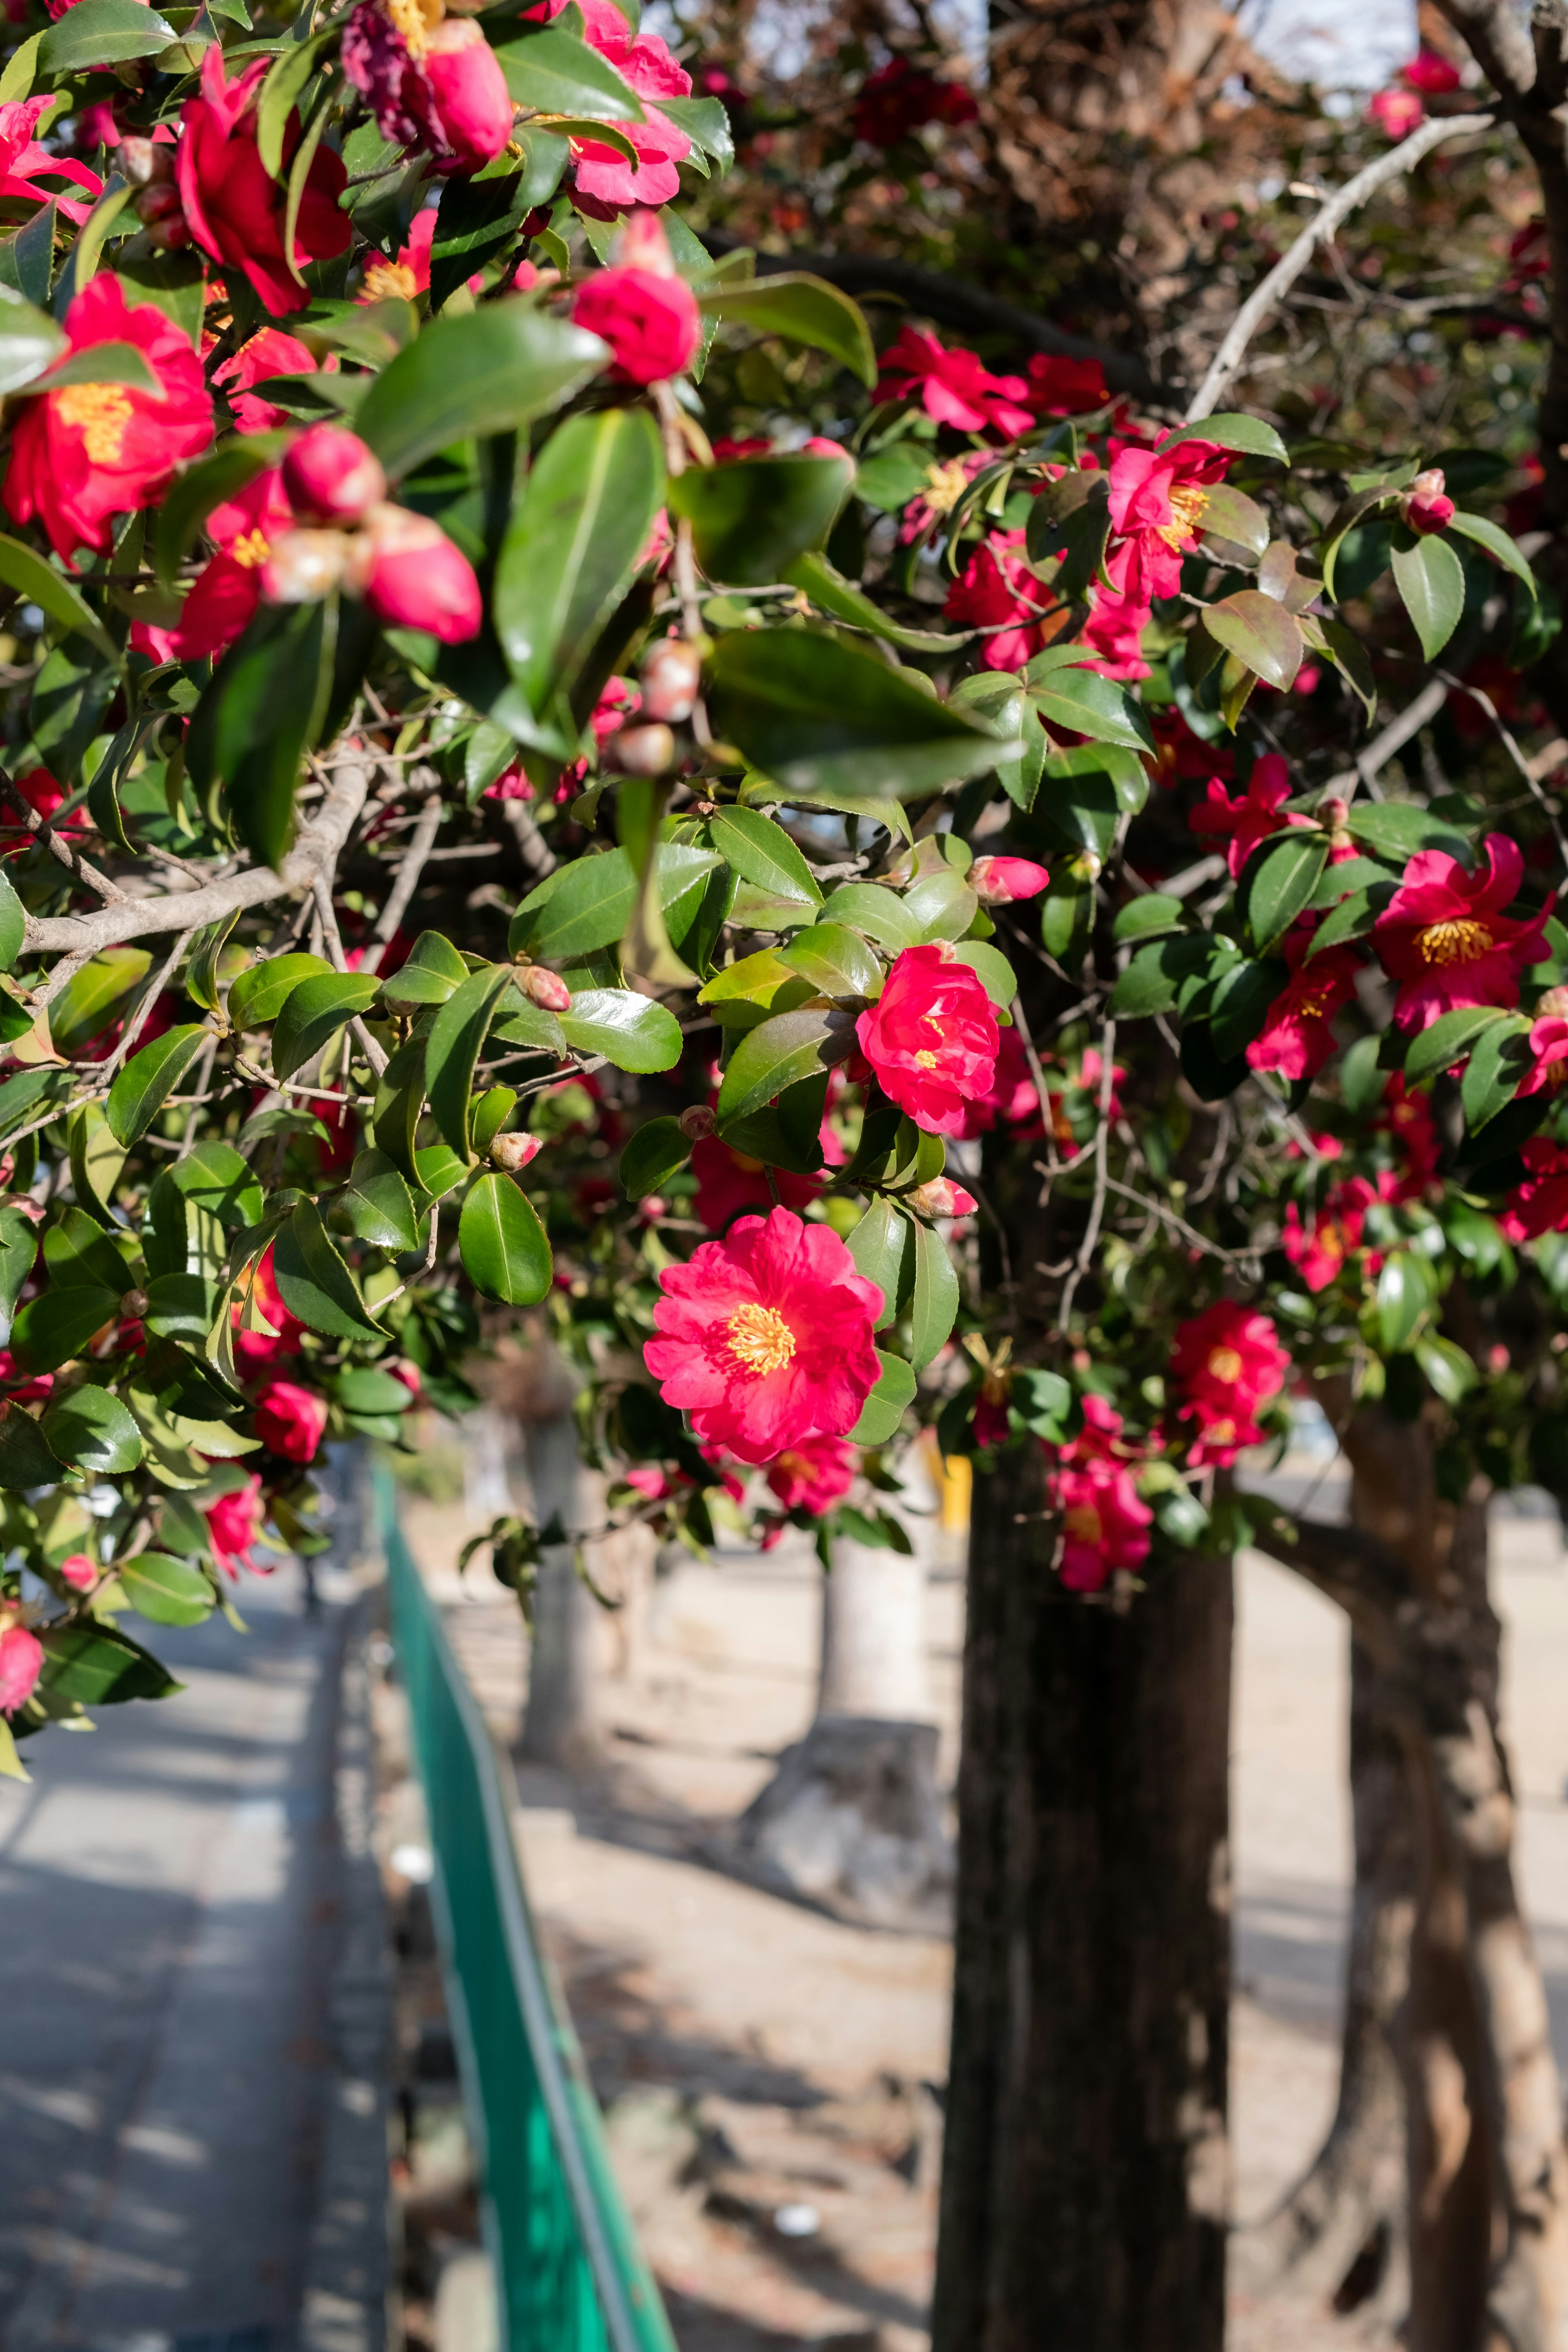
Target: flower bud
<point>168,235</point>
<point>1425,507</point>
<point>642,243</point>
<point>472,102</point>
<point>78,1572</point>
<point>157,202</point>
<point>651,322</point>
<point>511,1152</point>
<point>941,1197</point>
<point>145,161</point>
<point>640,751</point>
<point>134,1305</point>
<point>1332,813</point>
<point>1552,1006</point>
<point>999,881</point>
<point>302,566</point>
<point>410,573</point>
<point>819,445</point>
<point>698,1123</point>
<point>330,476</point>
<point>546,989</point>
<point>21,1664</point>
<point>670,676</point>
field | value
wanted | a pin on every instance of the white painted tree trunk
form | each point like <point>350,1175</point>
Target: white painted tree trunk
<point>873,1658</point>
<point>562,1725</point>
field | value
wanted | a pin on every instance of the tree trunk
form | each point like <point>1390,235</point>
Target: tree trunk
<point>562,1725</point>
<point>873,1633</point>
<point>1086,2175</point>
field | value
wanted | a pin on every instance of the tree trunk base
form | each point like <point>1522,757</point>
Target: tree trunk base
<point>852,1821</point>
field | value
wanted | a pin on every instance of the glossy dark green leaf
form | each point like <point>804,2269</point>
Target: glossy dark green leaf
<point>378,1203</point>
<point>487,372</point>
<point>551,71</point>
<point>706,123</point>
<point>1278,881</point>
<point>803,309</point>
<point>628,1029</point>
<point>882,1246</point>
<point>20,1096</point>
<point>257,718</point>
<point>18,1254</point>
<point>313,1281</point>
<point>1397,829</point>
<point>942,906</point>
<point>934,1306</point>
<point>314,1013</point>
<point>259,994</point>
<point>52,1328</point>
<point>871,907</point>
<point>29,341</point>
<point>763,853</point>
<point>580,907</point>
<point>23,568</point>
<point>92,1430</point>
<point>835,960</point>
<point>167,1590</point>
<point>181,1307</point>
<point>1451,1373</point>
<point>1486,534</point>
<point>1430,579</point>
<point>1405,1290</point>
<point>1229,514</point>
<point>101,33</point>
<point>1246,435</point>
<point>87,1662</point>
<point>151,1075</point>
<point>883,1411</point>
<point>1088,704</point>
<point>780,1054</point>
<point>1240,1004</point>
<point>433,970</point>
<point>220,1180</point>
<point>752,517</point>
<point>502,1243</point>
<point>1143,919</point>
<point>1259,633</point>
<point>26,1458</point>
<point>1449,1040</point>
<point>452,1051</point>
<point>652,1156</point>
<point>1500,1062</point>
<point>78,1251</point>
<point>828,589</point>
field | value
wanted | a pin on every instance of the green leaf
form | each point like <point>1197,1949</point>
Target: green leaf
<point>216,1177</point>
<point>763,853</point>
<point>1405,1293</point>
<point>26,1458</point>
<point>1278,881</point>
<point>92,1430</point>
<point>259,994</point>
<point>12,925</point>
<point>1397,829</point>
<point>487,372</point>
<point>207,485</point>
<point>817,715</point>
<point>1240,1004</point>
<point>433,970</point>
<point>652,1156</point>
<point>1447,1041</point>
<point>942,906</point>
<point>1247,434</point>
<point>51,1329</point>
<point>281,93</point>
<point>872,908</point>
<point>151,1077</point>
<point>452,1051</point>
<point>77,1251</point>
<point>573,546</point>
<point>1430,579</point>
<point>201,972</point>
<point>31,576</point>
<point>803,309</point>
<point>479,217</point>
<point>884,1409</point>
<point>1500,1062</point>
<point>779,1053</point>
<point>1259,633</point>
<point>1229,514</point>
<point>1451,1373</point>
<point>1496,540</point>
<point>363,1389</point>
<point>255,722</point>
<point>1352,918</point>
<point>706,124</point>
<point>553,71</point>
<point>582,906</point>
<point>101,33</point>
<point>1141,918</point>
<point>87,1662</point>
<point>835,960</point>
<point>17,81</point>
<point>314,1283</point>
<point>1090,705</point>
<point>29,341</point>
<point>378,1203</point>
<point>990,968</point>
<point>502,1243</point>
<point>92,996</point>
<point>168,1590</point>
<point>882,1246</point>
<point>828,589</point>
<point>183,1306</point>
<point>1325,635</point>
<point>628,1029</point>
<point>18,1254</point>
<point>314,1011</point>
<point>752,517</point>
<point>935,1303</point>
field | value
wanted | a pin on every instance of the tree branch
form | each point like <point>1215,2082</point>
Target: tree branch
<point>1367,1578</point>
<point>75,864</point>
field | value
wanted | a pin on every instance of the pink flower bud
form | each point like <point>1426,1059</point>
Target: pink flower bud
<point>406,1371</point>
<point>290,1420</point>
<point>304,566</point>
<point>651,324</point>
<point>1425,507</point>
<point>1551,1004</point>
<point>642,243</point>
<point>699,1122</point>
<point>157,202</point>
<point>330,476</point>
<point>1333,812</point>
<point>641,751</point>
<point>410,573</point>
<point>79,1572</point>
<point>143,162</point>
<point>998,881</point>
<point>820,446</point>
<point>512,1152</point>
<point>546,989</point>
<point>941,1197</point>
<point>21,1664</point>
<point>670,676</point>
<point>472,101</point>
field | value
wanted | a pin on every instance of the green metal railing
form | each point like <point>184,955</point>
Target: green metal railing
<point>569,2275</point>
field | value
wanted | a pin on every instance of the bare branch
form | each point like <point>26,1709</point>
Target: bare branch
<point>42,831</point>
<point>427,827</point>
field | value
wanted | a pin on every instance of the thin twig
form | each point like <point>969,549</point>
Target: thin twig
<point>1102,1180</point>
<point>424,831</point>
<point>1526,767</point>
<point>1158,1209</point>
<point>42,831</point>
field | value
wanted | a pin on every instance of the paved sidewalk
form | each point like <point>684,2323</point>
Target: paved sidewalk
<point>171,1892</point>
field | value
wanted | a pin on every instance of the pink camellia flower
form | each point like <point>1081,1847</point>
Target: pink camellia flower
<point>21,1664</point>
<point>953,385</point>
<point>1091,1070</point>
<point>254,1351</point>
<point>814,1474</point>
<point>1396,112</point>
<point>44,794</point>
<point>1105,1526</point>
<point>765,1338</point>
<point>19,1388</point>
<point>290,1420</point>
<point>222,599</point>
<point>941,1197</point>
<point>1445,938</point>
<point>473,104</point>
<point>269,354</point>
<point>900,96</point>
<point>998,592</point>
<point>79,1572</point>
<point>1062,387</point>
<point>234,1524</point>
<point>651,321</point>
<point>1012,1099</point>
<point>932,1038</point>
<point>411,574</point>
<point>1318,1250</point>
<point>1426,506</point>
<point>438,86</point>
<point>1430,72</point>
<point>1157,502</point>
<point>1002,881</point>
<point>1296,1039</point>
<point>1227,1361</point>
<point>25,161</point>
<point>1538,1205</point>
<point>605,181</point>
<point>1117,617</point>
<point>234,211</point>
<point>1549,1044</point>
<point>331,476</point>
<point>93,450</point>
<point>1250,818</point>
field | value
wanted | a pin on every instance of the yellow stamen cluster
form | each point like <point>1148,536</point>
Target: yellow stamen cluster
<point>102,413</point>
<point>761,1341</point>
<point>1461,939</point>
<point>944,486</point>
<point>384,281</point>
<point>416,20</point>
<point>250,549</point>
<point>1188,505</point>
<point>1224,1365</point>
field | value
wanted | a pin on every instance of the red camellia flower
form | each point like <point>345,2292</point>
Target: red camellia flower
<point>900,96</point>
<point>1250,818</point>
<point>1002,881</point>
<point>234,211</point>
<point>411,574</point>
<point>254,1351</point>
<point>21,1664</point>
<point>234,1524</point>
<point>999,592</point>
<point>24,160</point>
<point>1549,1044</point>
<point>1538,1205</point>
<point>605,180</point>
<point>330,475</point>
<point>271,353</point>
<point>932,1038</point>
<point>1445,938</point>
<point>814,1474</point>
<point>651,322</point>
<point>1157,500</point>
<point>473,104</point>
<point>954,386</point>
<point>79,1572</point>
<point>1396,112</point>
<point>1430,72</point>
<point>1117,617</point>
<point>1227,1361</point>
<point>94,450</point>
<point>1059,387</point>
<point>1105,1526</point>
<point>1296,1039</point>
<point>290,1420</point>
<point>222,599</point>
<point>1318,1250</point>
<point>765,1338</point>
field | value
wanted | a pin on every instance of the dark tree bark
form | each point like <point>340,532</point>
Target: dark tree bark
<point>1086,2177</point>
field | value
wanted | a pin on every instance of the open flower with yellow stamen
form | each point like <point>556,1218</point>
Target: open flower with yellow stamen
<point>765,1338</point>
<point>1158,497</point>
<point>1445,938</point>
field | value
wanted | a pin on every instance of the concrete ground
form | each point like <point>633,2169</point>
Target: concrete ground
<point>170,1889</point>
